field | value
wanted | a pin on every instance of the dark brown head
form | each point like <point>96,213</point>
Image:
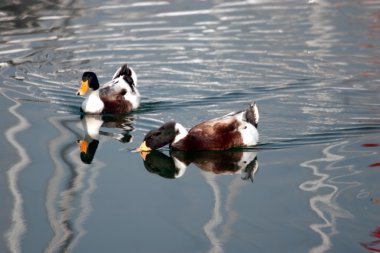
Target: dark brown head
<point>159,137</point>
<point>89,81</point>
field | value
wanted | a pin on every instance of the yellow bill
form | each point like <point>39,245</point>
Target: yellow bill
<point>143,148</point>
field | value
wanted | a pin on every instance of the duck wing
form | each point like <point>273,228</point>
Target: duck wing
<point>114,100</point>
<point>217,134</point>
<point>112,92</point>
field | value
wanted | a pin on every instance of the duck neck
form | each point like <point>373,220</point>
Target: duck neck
<point>93,103</point>
<point>181,133</point>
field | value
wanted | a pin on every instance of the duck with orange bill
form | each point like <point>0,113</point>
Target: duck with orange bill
<point>234,130</point>
<point>118,96</point>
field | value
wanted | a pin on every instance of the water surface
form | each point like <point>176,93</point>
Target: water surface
<point>311,185</point>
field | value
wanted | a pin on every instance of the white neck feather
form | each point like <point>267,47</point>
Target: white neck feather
<point>181,132</point>
<point>93,103</point>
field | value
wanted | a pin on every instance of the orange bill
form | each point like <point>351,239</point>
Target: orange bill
<point>83,88</point>
<point>83,146</point>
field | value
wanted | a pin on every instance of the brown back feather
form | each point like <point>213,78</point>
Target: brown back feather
<point>116,105</point>
<point>212,135</point>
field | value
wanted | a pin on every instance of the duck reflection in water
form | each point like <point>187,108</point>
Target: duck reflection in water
<point>92,125</point>
<point>217,162</point>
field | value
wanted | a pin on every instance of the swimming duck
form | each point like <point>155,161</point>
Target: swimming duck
<point>119,95</point>
<point>237,129</point>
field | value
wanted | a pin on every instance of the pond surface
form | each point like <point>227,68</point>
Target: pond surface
<point>311,185</point>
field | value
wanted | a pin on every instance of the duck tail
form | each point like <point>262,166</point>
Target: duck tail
<point>123,70</point>
<point>252,114</point>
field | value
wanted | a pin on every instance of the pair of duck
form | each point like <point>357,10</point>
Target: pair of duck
<point>120,95</point>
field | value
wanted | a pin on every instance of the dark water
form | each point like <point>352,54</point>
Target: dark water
<point>311,185</point>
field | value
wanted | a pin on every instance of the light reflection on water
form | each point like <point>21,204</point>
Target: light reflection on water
<point>18,227</point>
<point>65,220</point>
<point>325,205</point>
<point>315,79</point>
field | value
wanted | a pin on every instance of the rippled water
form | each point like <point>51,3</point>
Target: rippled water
<point>311,185</point>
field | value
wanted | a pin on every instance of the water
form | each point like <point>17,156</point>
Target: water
<point>309,186</point>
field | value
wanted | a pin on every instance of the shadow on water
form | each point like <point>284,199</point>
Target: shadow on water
<point>71,182</point>
<point>219,163</point>
<point>336,174</point>
<point>92,125</point>
<point>65,185</point>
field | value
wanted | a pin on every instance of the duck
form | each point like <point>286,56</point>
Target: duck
<point>234,130</point>
<point>118,96</point>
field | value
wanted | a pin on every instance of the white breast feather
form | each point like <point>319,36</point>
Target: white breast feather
<point>248,132</point>
<point>182,132</point>
<point>93,104</point>
<point>134,98</point>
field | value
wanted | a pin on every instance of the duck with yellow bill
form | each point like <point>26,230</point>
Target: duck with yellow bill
<point>234,130</point>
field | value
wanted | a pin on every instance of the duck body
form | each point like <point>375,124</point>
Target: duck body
<point>120,95</point>
<point>238,129</point>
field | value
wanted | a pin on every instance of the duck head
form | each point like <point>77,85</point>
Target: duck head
<point>157,138</point>
<point>89,81</point>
